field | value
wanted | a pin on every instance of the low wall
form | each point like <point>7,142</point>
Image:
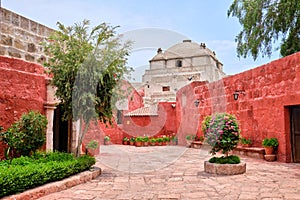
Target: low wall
<point>23,88</point>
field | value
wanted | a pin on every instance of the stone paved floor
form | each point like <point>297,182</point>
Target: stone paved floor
<point>181,177</point>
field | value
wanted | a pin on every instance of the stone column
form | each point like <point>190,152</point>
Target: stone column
<point>50,106</point>
<point>49,132</point>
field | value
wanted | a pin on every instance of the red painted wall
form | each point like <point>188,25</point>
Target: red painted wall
<point>264,109</point>
<point>23,88</point>
<point>115,131</point>
<point>163,123</point>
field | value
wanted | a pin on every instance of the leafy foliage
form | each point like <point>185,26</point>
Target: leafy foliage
<point>232,159</point>
<point>27,134</point>
<point>246,141</point>
<point>87,69</point>
<point>206,123</point>
<point>29,172</point>
<point>264,22</point>
<point>92,144</point>
<point>270,142</point>
<point>223,133</point>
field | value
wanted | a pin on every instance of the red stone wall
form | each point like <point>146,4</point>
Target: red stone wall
<point>23,88</point>
<point>163,123</point>
<point>115,131</point>
<point>264,109</point>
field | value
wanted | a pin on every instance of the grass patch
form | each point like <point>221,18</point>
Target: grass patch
<point>225,160</point>
<point>28,172</point>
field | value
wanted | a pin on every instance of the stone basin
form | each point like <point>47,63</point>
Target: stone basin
<point>224,169</point>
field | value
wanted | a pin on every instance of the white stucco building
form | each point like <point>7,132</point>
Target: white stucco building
<point>178,66</point>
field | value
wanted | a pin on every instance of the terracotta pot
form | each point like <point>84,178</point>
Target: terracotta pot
<point>146,144</point>
<point>269,150</point>
<point>131,143</point>
<point>138,144</point>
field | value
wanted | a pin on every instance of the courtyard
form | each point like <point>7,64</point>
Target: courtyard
<point>176,172</point>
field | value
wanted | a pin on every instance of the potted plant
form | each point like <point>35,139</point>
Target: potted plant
<point>159,141</point>
<point>166,139</point>
<point>246,142</point>
<point>146,141</point>
<point>222,133</point>
<point>138,141</point>
<point>91,147</point>
<point>189,139</point>
<point>175,140</point>
<point>152,141</point>
<point>106,140</point>
<point>132,141</point>
<point>269,144</point>
<point>125,141</point>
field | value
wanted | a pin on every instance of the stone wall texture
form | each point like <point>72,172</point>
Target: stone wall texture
<point>23,88</point>
<point>263,111</point>
<point>21,37</point>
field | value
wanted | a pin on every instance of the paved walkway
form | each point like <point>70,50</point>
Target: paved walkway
<point>177,173</point>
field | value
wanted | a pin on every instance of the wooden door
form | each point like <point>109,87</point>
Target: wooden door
<point>295,133</point>
<point>61,132</point>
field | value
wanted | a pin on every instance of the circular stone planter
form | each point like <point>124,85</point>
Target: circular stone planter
<point>224,169</point>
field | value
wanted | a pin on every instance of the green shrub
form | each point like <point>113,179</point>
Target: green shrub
<point>139,139</point>
<point>27,134</point>
<point>272,142</point>
<point>190,137</point>
<point>246,141</point>
<point>206,123</point>
<point>145,139</point>
<point>92,144</point>
<point>28,172</point>
<point>225,160</point>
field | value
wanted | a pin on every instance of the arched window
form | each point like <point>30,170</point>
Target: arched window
<point>178,63</point>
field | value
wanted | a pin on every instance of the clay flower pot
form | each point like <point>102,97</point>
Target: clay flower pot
<point>269,150</point>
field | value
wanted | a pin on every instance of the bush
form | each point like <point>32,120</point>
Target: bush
<point>221,132</point>
<point>27,134</point>
<point>225,160</point>
<point>28,172</point>
<point>272,142</point>
<point>190,137</point>
<point>246,141</point>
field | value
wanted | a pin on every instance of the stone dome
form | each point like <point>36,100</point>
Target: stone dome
<point>183,50</point>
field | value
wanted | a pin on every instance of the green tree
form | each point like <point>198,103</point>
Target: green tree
<point>87,65</point>
<point>265,22</point>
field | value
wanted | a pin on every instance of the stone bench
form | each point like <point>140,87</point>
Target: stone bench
<point>254,152</point>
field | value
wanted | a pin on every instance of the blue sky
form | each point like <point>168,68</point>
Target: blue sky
<point>199,20</point>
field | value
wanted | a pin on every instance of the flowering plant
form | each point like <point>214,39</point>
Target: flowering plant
<point>221,132</point>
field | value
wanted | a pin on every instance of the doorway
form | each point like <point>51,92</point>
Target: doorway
<point>295,133</point>
<point>61,132</point>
